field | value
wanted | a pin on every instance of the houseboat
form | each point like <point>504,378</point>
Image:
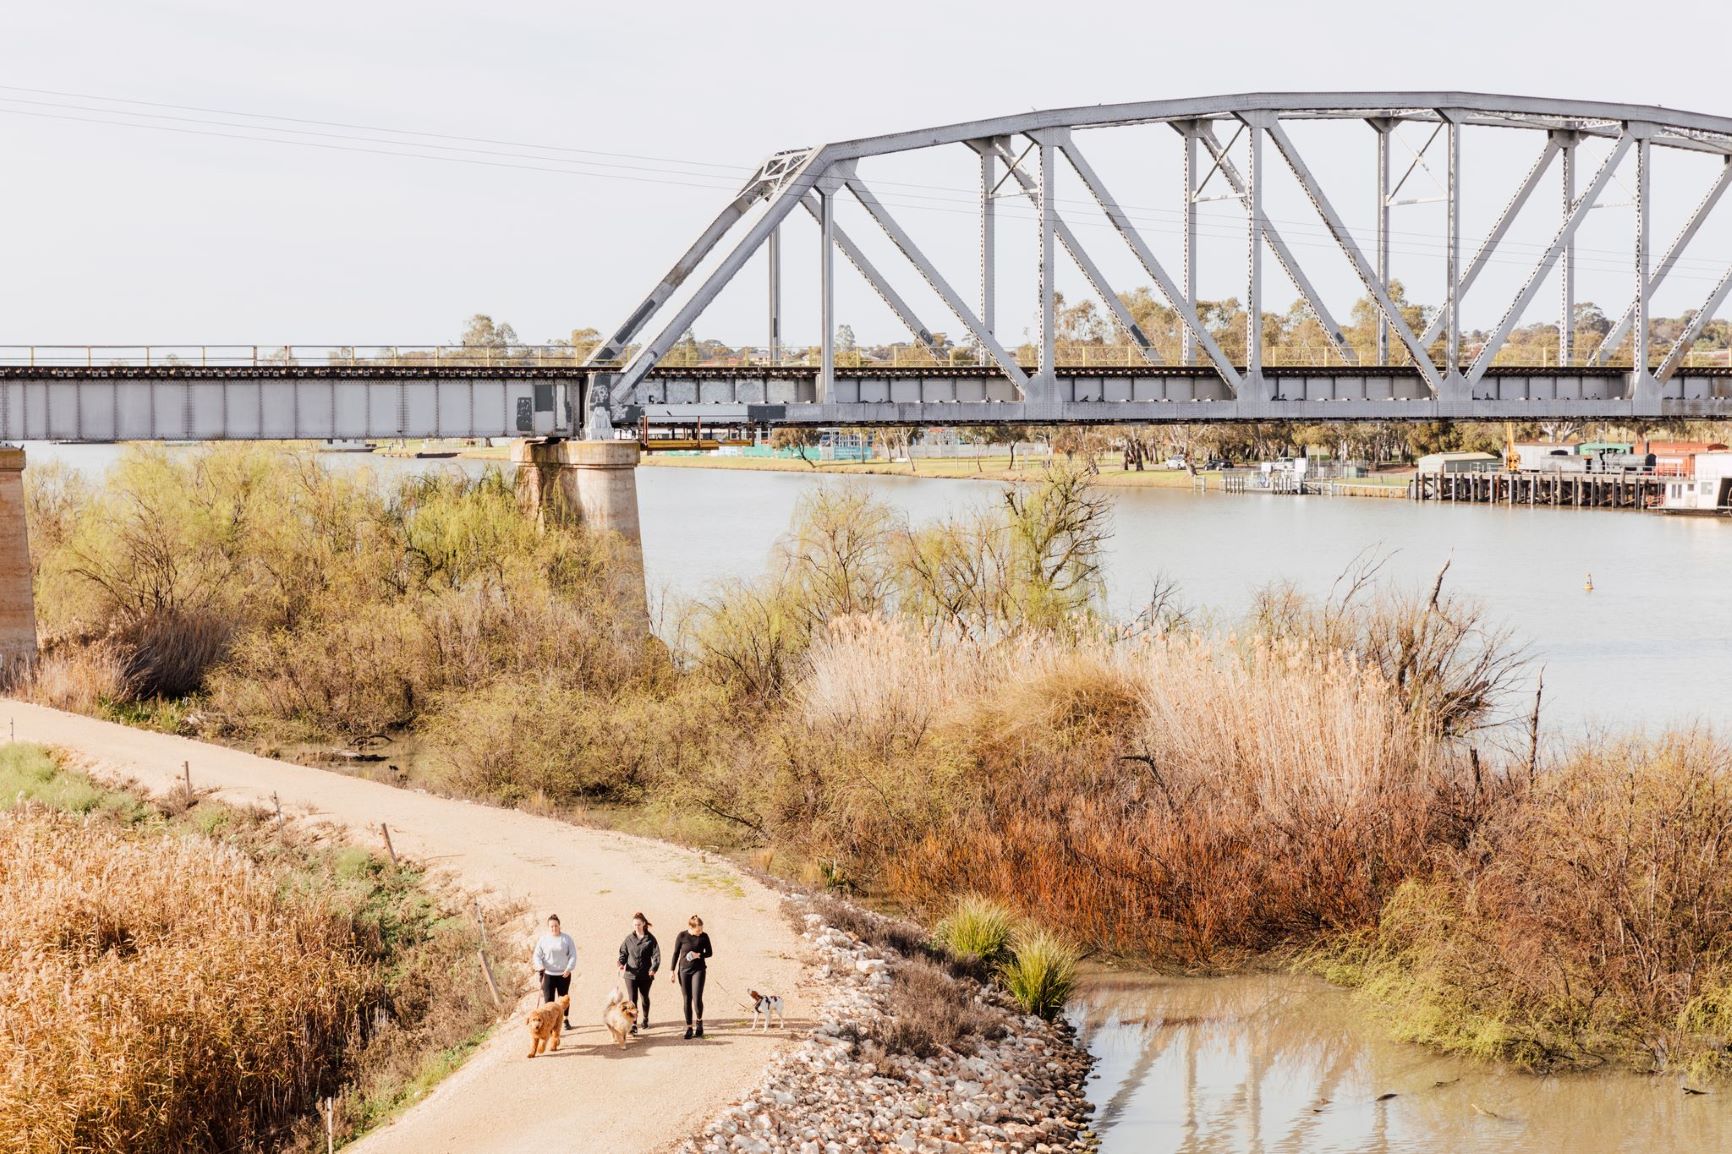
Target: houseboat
<point>1706,492</point>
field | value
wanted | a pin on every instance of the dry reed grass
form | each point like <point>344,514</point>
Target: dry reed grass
<point>167,989</point>
<point>1589,920</point>
<point>79,678</point>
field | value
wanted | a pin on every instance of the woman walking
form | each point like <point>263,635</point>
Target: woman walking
<point>554,959</point>
<point>640,956</point>
<point>691,949</point>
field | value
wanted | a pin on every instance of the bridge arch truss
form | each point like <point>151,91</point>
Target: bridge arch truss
<point>1417,371</point>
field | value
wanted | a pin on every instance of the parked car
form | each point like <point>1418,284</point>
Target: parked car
<point>1176,463</point>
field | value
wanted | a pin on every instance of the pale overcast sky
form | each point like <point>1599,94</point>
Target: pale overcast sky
<point>120,234</point>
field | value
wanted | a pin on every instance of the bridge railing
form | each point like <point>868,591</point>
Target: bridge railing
<point>264,356</point>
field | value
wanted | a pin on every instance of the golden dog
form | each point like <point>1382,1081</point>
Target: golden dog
<point>544,1025</point>
<point>619,1017</point>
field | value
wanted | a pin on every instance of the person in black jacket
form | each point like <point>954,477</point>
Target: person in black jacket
<point>640,956</point>
<point>691,949</point>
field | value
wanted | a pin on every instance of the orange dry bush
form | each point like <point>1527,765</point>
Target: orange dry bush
<point>164,992</point>
<point>1191,800</point>
<point>1590,918</point>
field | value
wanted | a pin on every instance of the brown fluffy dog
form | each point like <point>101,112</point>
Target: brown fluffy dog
<point>619,1017</point>
<point>544,1024</point>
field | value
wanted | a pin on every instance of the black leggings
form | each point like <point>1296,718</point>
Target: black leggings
<point>637,992</point>
<point>554,986</point>
<point>692,986</point>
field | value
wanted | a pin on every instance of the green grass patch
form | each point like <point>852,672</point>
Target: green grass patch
<point>976,930</point>
<point>1041,972</point>
<point>29,773</point>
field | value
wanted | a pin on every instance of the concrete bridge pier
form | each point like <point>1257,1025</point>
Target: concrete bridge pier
<point>593,483</point>
<point>17,603</point>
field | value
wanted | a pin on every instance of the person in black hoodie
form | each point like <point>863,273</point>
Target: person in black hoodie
<point>640,956</point>
<point>691,949</point>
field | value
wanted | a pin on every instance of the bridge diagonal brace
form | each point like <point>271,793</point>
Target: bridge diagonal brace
<point>753,191</point>
<point>1495,237</point>
<point>791,191</point>
<point>1549,258</point>
<point>1175,297</point>
<point>954,302</point>
<point>921,334</point>
<point>1085,264</point>
<point>1675,355</point>
<point>1378,290</point>
<point>1283,255</point>
<point>1685,235</point>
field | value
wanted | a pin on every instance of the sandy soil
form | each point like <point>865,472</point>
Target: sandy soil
<point>590,1095</point>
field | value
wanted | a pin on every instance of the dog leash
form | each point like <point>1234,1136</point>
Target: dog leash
<point>727,993</point>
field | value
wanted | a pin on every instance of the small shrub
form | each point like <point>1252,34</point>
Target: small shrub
<point>977,929</point>
<point>78,678</point>
<point>930,1010</point>
<point>1041,972</point>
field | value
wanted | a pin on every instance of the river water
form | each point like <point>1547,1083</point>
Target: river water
<point>1285,1063</point>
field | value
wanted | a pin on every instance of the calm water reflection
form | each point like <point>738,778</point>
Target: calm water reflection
<point>1287,1064</point>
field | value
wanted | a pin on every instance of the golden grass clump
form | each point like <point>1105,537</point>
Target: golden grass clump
<point>199,982</point>
<point>164,993</point>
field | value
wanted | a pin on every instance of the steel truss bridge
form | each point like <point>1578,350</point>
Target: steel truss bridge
<point>1231,140</point>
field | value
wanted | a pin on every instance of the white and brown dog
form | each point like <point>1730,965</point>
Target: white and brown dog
<point>766,1007</point>
<point>619,1017</point>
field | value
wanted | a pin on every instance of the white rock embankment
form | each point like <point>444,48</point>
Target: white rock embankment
<point>835,1091</point>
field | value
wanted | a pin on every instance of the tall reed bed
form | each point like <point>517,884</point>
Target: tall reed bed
<point>1589,918</point>
<point>165,989</point>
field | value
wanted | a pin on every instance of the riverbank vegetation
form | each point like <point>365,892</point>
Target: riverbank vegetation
<point>920,711</point>
<point>179,975</point>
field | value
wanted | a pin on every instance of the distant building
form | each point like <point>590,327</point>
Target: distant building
<point>1677,458</point>
<point>1537,456</point>
<point>1707,488</point>
<point>1460,463</point>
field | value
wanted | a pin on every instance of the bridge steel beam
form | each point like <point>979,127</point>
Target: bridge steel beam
<point>284,403</point>
<point>1344,239</point>
<point>1277,246</point>
<point>1084,263</point>
<point>1686,234</point>
<point>1675,355</point>
<point>1188,338</point>
<point>880,285</point>
<point>952,300</point>
<point>1176,299</point>
<point>1499,230</point>
<point>1383,127</point>
<point>1567,262</point>
<point>1566,230</point>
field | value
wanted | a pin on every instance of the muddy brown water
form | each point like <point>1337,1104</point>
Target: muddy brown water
<point>1287,1063</point>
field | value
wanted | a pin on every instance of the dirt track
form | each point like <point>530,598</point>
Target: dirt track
<point>589,1096</point>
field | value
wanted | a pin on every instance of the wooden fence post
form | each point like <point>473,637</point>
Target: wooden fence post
<point>481,952</point>
<point>389,848</point>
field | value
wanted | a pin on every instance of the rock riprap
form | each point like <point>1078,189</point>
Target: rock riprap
<point>836,1089</point>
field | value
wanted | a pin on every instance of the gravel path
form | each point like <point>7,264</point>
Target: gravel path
<point>589,1096</point>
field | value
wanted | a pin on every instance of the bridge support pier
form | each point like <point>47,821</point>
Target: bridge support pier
<point>593,483</point>
<point>17,603</point>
